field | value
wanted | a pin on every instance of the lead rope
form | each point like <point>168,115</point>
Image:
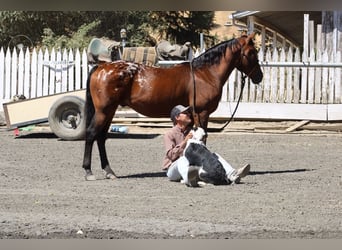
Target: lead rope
<point>194,94</point>
<point>243,80</point>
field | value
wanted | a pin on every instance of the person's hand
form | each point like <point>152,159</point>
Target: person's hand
<point>189,136</point>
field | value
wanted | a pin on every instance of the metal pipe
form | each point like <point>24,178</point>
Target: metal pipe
<point>300,64</point>
<point>277,64</point>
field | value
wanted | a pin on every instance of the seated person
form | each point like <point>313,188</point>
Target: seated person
<point>176,165</point>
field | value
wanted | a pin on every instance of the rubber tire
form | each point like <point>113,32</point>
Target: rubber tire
<point>68,107</point>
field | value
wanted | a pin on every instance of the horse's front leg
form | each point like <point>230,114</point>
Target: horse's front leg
<point>203,121</point>
<point>196,120</point>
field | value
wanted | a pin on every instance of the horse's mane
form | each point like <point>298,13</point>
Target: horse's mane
<point>214,54</point>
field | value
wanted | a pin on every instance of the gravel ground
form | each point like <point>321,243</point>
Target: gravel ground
<point>293,190</point>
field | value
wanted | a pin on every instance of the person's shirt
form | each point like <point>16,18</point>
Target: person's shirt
<point>173,150</point>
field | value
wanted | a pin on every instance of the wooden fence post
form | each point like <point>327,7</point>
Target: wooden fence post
<point>2,75</point>
<point>289,77</point>
<point>318,71</point>
<point>296,78</point>
<point>338,78</point>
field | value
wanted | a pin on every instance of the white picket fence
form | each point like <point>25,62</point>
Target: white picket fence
<point>292,77</point>
<point>287,80</point>
<point>41,73</point>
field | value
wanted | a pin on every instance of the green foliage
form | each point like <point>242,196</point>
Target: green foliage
<point>78,39</point>
<point>182,26</point>
<point>72,29</point>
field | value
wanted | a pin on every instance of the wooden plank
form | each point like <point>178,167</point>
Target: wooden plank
<point>20,69</point>
<point>252,91</point>
<point>231,87</point>
<point>267,80</point>
<point>40,73</point>
<point>338,79</point>
<point>64,67</point>
<point>325,76</point>
<point>334,112</point>
<point>245,90</point>
<point>311,36</point>
<point>71,81</point>
<point>259,88</point>
<point>224,95</point>
<point>85,69</point>
<point>78,69</point>
<point>2,75</point>
<point>318,71</point>
<point>303,92</point>
<point>57,69</point>
<point>13,70</point>
<point>297,126</point>
<point>324,126</point>
<point>273,111</point>
<point>311,78</point>
<point>289,77</point>
<point>27,74</point>
<point>304,80</point>
<point>306,34</point>
<point>263,39</point>
<point>274,78</point>
<point>331,80</point>
<point>281,85</point>
<point>33,78</point>
<point>338,26</point>
<point>296,78</point>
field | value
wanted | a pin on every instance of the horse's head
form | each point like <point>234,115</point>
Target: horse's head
<point>249,63</point>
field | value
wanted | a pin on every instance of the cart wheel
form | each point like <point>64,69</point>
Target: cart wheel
<point>66,118</point>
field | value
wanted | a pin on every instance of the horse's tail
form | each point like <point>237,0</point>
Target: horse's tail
<point>89,105</point>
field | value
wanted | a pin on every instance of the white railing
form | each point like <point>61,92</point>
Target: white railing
<point>289,77</point>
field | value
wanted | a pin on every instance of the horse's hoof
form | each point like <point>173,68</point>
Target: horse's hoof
<point>111,176</point>
<point>90,177</point>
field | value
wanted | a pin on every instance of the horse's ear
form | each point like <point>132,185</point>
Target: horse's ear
<point>250,38</point>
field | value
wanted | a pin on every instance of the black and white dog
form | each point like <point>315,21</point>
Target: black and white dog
<point>198,154</point>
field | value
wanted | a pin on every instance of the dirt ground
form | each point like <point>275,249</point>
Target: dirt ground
<point>293,190</point>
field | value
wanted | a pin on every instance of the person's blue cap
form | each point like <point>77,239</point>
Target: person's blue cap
<point>177,110</point>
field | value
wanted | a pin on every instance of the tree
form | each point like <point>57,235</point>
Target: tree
<point>182,26</point>
<point>76,28</point>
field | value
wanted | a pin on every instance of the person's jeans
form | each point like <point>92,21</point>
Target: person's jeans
<point>178,170</point>
<point>227,167</point>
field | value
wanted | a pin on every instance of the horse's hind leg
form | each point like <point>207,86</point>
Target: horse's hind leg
<point>101,140</point>
<point>97,130</point>
<point>90,138</point>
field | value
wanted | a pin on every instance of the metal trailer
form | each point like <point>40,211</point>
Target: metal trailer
<point>64,112</point>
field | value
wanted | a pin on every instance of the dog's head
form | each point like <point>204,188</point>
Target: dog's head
<point>199,134</point>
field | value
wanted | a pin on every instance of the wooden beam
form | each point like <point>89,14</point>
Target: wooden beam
<point>297,126</point>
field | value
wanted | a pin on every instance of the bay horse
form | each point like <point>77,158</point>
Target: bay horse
<point>154,91</point>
